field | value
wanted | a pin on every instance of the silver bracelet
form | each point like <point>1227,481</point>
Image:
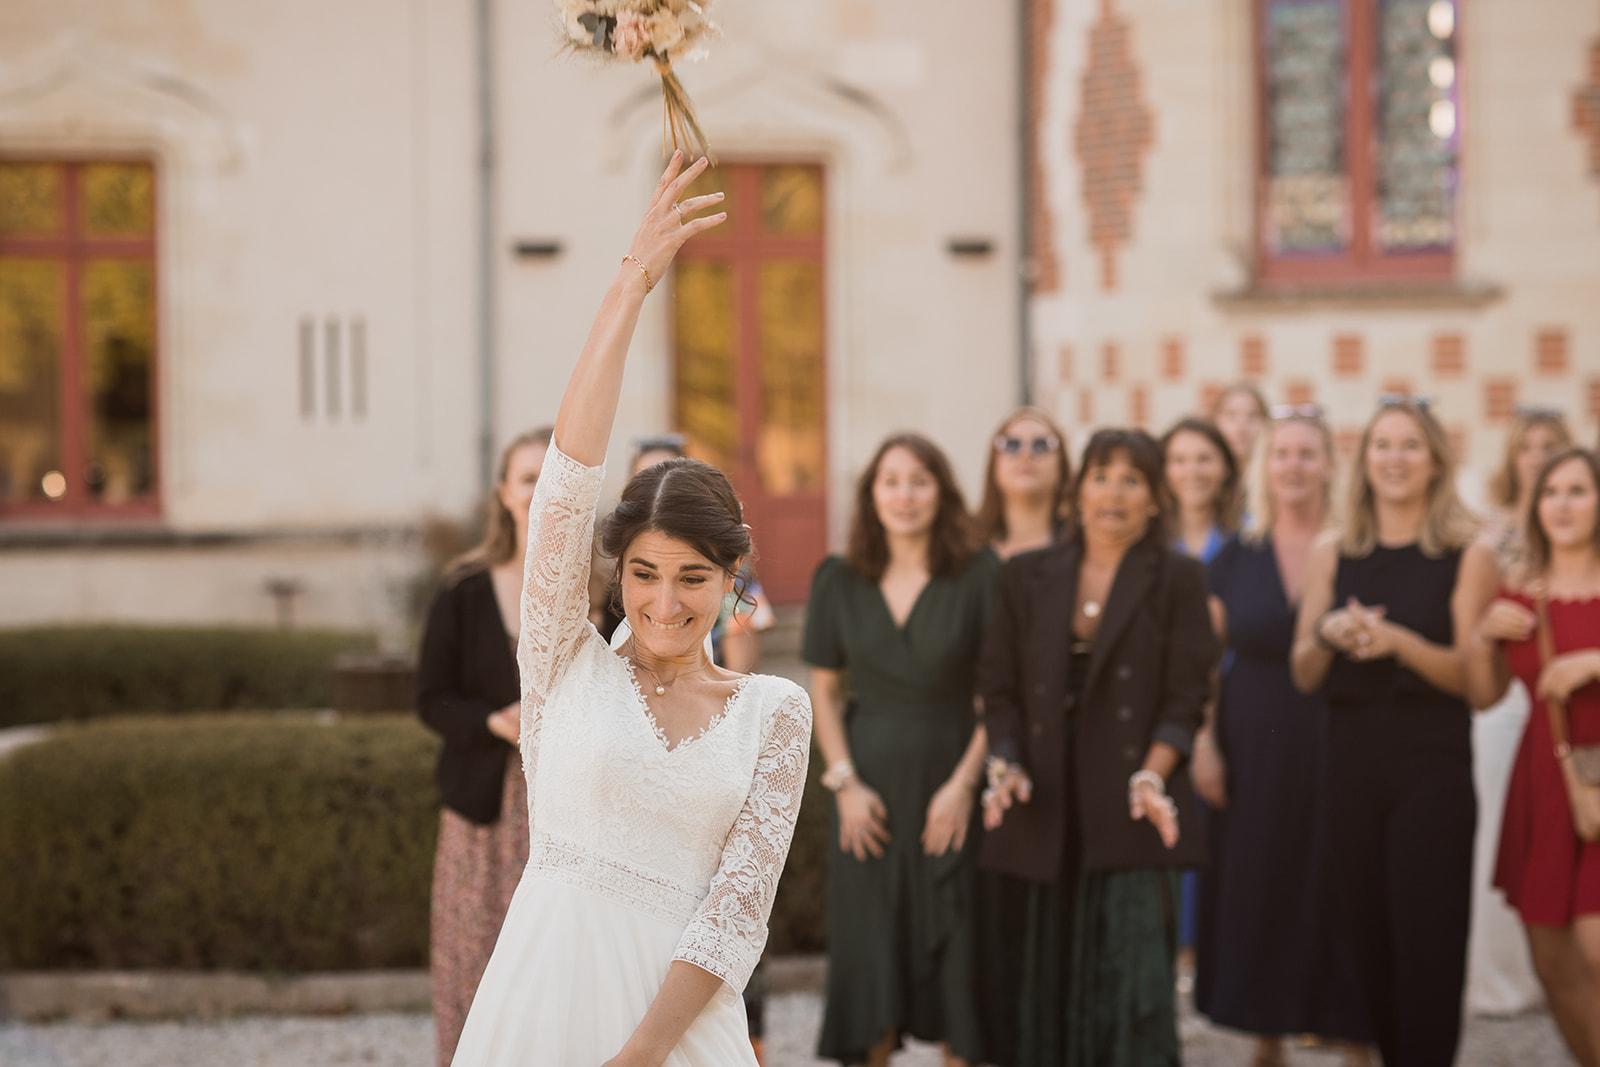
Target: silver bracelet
<point>1141,777</point>
<point>838,775</point>
<point>997,769</point>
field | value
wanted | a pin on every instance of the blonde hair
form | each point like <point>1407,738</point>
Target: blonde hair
<point>1259,523</point>
<point>1446,525</point>
<point>499,541</point>
<point>1504,486</point>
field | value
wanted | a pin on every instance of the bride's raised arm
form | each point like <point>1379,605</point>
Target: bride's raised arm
<point>589,406</point>
<point>561,519</point>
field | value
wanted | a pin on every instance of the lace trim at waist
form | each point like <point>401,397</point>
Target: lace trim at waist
<point>562,861</point>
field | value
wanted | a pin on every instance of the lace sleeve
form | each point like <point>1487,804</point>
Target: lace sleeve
<point>729,930</point>
<point>555,581</point>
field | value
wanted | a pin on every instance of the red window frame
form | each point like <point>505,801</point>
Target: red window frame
<point>75,249</point>
<point>1362,261</point>
<point>793,528</point>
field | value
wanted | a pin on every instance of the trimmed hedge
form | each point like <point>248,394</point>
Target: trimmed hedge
<point>241,841</point>
<point>256,842</point>
<point>53,673</point>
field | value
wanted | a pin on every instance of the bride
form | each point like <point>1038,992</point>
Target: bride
<point>660,814</point>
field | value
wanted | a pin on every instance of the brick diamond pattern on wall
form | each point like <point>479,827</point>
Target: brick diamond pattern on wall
<point>1586,109</point>
<point>1045,268</point>
<point>1115,130</point>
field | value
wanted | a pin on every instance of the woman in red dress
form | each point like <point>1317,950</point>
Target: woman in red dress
<point>1548,874</point>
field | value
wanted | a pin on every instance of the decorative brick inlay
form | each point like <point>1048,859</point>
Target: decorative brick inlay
<point>1139,405</point>
<point>1586,109</point>
<point>1110,361</point>
<point>1114,131</point>
<point>1210,393</point>
<point>1499,398</point>
<point>1172,361</point>
<point>1449,355</point>
<point>1397,387</point>
<point>1064,362</point>
<point>1298,391</point>
<point>1085,406</point>
<point>1045,273</point>
<point>1347,355</point>
<point>1253,357</point>
<point>1550,352</point>
<point>1594,398</point>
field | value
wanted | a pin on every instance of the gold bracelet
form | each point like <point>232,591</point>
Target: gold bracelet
<point>649,282</point>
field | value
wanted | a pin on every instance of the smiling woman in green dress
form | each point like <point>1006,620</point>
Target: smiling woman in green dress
<point>903,613</point>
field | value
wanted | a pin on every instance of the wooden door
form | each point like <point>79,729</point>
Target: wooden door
<point>750,382</point>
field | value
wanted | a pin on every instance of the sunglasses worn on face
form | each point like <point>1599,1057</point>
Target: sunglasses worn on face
<point>1011,445</point>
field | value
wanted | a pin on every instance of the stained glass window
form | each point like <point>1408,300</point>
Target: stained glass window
<point>1416,134</point>
<point>1359,147</point>
<point>1308,191</point>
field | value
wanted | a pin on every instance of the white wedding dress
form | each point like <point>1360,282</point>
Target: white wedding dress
<point>639,855</point>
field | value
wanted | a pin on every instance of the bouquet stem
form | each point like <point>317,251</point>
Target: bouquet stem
<point>678,119</point>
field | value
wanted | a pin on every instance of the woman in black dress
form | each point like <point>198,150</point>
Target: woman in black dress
<point>1384,621</point>
<point>467,693</point>
<point>1026,483</point>
<point>1086,788</point>
<point>1267,962</point>
<point>902,612</point>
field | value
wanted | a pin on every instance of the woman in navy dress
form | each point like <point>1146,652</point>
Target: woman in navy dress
<point>1266,959</point>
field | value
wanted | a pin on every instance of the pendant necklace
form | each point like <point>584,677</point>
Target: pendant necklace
<point>1091,609</point>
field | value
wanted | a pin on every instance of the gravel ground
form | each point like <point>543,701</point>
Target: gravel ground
<point>407,1041</point>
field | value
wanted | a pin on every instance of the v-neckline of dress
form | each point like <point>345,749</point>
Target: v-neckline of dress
<point>901,628</point>
<point>660,735</point>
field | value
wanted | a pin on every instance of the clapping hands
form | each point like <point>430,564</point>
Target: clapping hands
<point>1360,632</point>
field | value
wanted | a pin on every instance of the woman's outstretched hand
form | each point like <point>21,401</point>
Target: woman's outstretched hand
<point>670,221</point>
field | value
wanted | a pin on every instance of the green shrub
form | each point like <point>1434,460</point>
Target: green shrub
<point>77,672</point>
<point>280,843</point>
<point>242,841</point>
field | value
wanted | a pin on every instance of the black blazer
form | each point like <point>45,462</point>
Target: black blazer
<point>467,670</point>
<point>1149,679</point>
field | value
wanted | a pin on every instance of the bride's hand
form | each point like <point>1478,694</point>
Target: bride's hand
<point>669,222</point>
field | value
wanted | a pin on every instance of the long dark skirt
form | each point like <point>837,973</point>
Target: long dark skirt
<point>1097,984</point>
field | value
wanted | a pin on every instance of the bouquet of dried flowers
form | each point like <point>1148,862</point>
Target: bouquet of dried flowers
<point>659,31</point>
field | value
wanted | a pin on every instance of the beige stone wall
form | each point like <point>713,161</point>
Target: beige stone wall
<point>1150,346</point>
<point>910,107</point>
<point>316,163</point>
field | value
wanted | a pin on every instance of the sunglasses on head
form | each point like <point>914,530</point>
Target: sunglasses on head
<point>1011,445</point>
<point>1295,411</point>
<point>1405,400</point>
<point>1538,411</point>
<point>663,442</point>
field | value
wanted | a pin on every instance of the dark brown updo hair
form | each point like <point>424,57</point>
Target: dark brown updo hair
<point>689,501</point>
<point>951,542</point>
<point>1144,455</point>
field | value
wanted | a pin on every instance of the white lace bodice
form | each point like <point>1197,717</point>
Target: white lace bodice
<point>696,835</point>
